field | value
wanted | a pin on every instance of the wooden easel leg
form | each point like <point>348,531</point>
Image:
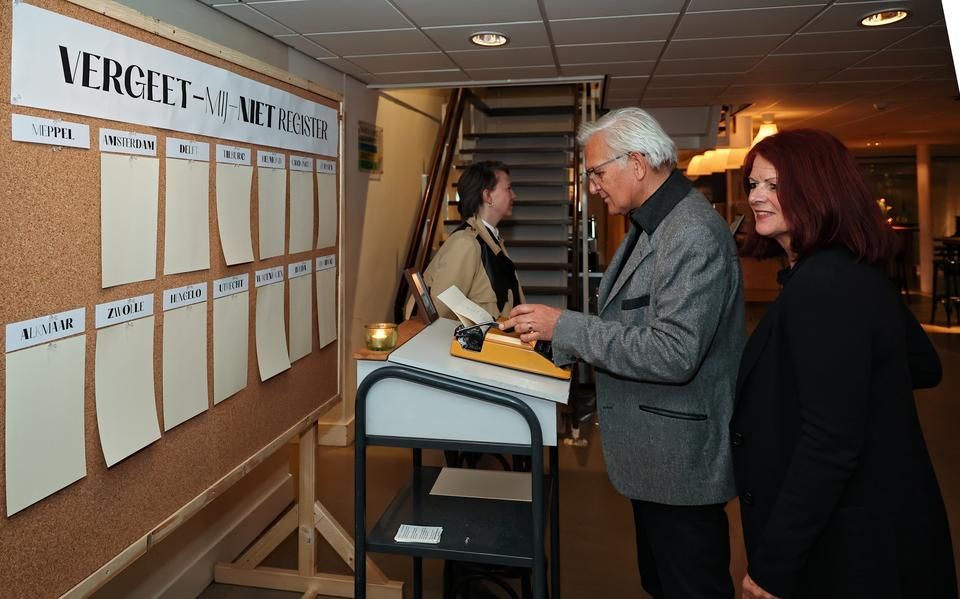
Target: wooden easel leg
<point>308,517</point>
<point>307,550</point>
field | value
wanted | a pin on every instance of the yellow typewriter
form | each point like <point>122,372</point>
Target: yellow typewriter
<point>484,342</point>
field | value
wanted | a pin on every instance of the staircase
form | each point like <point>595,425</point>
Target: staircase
<point>532,131</point>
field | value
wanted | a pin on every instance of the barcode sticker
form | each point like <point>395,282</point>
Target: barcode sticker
<point>409,533</point>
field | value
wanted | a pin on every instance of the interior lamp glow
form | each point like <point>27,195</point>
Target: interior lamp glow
<point>718,161</point>
<point>767,129</point>
<point>736,157</point>
<point>489,39</point>
<point>693,168</point>
<point>884,17</point>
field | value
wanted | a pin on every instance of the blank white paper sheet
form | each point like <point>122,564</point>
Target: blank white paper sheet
<point>44,420</point>
<point>326,306</point>
<point>301,212</point>
<point>126,400</point>
<point>129,191</point>
<point>233,212</point>
<point>184,364</point>
<point>301,317</point>
<point>272,208</point>
<point>231,330</point>
<point>272,356</point>
<point>186,239</point>
<point>326,210</point>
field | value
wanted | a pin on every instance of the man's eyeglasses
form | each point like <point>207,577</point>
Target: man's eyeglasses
<point>595,173</point>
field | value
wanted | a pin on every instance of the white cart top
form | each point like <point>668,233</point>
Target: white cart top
<point>430,350</point>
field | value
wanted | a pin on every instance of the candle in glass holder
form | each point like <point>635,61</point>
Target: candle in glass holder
<point>380,336</point>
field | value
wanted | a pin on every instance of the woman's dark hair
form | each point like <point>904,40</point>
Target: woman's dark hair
<point>824,197</point>
<point>478,177</point>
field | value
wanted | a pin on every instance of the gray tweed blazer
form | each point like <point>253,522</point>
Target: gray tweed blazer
<point>666,347</point>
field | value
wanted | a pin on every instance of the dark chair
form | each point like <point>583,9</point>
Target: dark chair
<point>946,280</point>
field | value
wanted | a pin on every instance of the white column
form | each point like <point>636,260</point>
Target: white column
<point>925,216</point>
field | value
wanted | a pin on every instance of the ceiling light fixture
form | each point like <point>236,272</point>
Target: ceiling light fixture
<point>767,128</point>
<point>884,17</point>
<point>489,39</point>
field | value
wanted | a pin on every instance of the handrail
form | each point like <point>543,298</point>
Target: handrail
<point>428,213</point>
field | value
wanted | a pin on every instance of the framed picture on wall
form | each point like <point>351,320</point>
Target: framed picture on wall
<point>370,148</point>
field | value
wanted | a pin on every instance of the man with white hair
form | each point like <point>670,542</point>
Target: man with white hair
<point>666,346</point>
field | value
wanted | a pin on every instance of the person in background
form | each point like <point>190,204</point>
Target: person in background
<point>473,258</point>
<point>838,496</point>
<point>665,345</point>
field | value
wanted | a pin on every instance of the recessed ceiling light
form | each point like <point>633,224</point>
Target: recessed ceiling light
<point>884,17</point>
<point>489,39</point>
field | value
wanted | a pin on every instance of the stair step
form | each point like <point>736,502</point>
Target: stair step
<point>517,150</point>
<point>528,202</point>
<point>532,110</point>
<point>520,222</point>
<point>547,290</point>
<point>526,165</point>
<point>515,183</point>
<point>535,243</point>
<point>519,134</point>
<point>542,265</point>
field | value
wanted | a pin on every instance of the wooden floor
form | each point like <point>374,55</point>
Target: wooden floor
<point>597,540</point>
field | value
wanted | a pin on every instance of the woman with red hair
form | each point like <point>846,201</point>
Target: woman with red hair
<point>838,496</point>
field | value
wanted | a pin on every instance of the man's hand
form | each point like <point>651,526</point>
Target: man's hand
<point>752,590</point>
<point>534,322</point>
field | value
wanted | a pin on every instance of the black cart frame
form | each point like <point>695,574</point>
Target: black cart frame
<point>507,533</point>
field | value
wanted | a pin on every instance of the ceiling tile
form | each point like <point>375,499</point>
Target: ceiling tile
<point>304,45</point>
<point>898,58</point>
<point>661,80</point>
<point>948,73</point>
<point>850,87</point>
<point>322,16</point>
<point>707,65</point>
<point>929,37</point>
<point>684,92</point>
<point>842,41</point>
<point>612,29</point>
<point>880,74</point>
<point>251,17</point>
<point>616,52</point>
<point>631,83</point>
<point>841,17</point>
<point>785,76</point>
<point>502,57</point>
<point>345,66</point>
<point>392,63</point>
<point>642,67</point>
<point>441,76</point>
<point>358,43</point>
<point>720,47</point>
<point>430,13</point>
<point>513,73</point>
<point>458,38</point>
<point>807,62</point>
<point>671,102</point>
<point>730,23</point>
<point>577,9</point>
<point>711,5</point>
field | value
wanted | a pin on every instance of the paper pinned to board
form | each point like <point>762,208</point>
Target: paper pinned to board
<point>466,310</point>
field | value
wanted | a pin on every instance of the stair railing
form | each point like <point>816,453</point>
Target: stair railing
<point>430,210</point>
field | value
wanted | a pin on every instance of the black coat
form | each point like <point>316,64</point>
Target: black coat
<point>838,496</point>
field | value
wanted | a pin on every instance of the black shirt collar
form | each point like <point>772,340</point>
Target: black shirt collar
<point>652,212</point>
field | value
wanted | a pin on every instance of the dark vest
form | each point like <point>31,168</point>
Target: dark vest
<point>500,271</point>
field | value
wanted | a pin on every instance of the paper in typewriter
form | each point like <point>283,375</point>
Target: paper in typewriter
<point>466,310</point>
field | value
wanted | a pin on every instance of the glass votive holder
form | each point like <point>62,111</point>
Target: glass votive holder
<point>380,336</point>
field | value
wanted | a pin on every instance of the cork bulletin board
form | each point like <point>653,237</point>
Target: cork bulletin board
<point>50,262</point>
